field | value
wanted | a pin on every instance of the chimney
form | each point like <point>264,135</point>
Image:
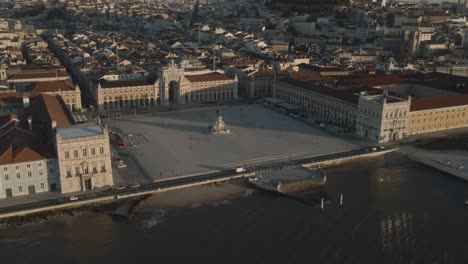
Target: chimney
<point>54,124</point>
<point>30,123</point>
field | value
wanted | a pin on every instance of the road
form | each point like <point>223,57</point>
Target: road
<point>201,178</point>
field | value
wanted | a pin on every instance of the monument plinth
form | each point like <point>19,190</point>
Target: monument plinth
<point>219,127</point>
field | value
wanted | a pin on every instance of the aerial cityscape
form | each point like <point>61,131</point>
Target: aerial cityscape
<point>233,131</point>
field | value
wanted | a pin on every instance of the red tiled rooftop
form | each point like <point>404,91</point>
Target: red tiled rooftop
<point>124,83</point>
<point>379,80</point>
<point>18,145</point>
<point>438,102</point>
<point>345,93</point>
<point>11,98</point>
<point>49,86</point>
<point>209,77</point>
<point>38,75</point>
<point>50,108</point>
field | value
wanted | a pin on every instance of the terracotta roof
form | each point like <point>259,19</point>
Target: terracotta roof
<point>11,98</point>
<point>47,108</point>
<point>124,83</point>
<point>379,80</point>
<point>270,73</point>
<point>307,76</point>
<point>209,77</point>
<point>347,93</point>
<point>18,145</point>
<point>49,86</point>
<point>35,67</point>
<point>438,102</point>
<point>442,81</point>
<point>38,75</point>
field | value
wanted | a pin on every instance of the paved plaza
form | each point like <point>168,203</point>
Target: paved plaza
<point>178,143</point>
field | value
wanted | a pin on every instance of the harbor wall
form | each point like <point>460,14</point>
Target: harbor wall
<point>434,164</point>
<point>340,161</point>
<point>109,198</point>
<point>78,203</point>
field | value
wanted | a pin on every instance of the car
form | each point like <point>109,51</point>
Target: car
<point>374,149</point>
<point>121,187</point>
<point>73,198</point>
<point>135,185</point>
<point>121,164</point>
<point>381,147</point>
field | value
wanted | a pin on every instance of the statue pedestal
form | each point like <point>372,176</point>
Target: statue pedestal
<point>219,127</point>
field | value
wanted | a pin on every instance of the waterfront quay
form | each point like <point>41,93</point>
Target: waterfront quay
<point>184,182</point>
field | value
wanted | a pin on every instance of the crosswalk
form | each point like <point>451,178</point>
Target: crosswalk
<point>136,139</point>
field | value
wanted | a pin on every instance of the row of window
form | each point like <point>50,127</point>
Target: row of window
<point>84,152</point>
<point>441,112</point>
<point>136,97</point>
<point>18,175</point>
<point>17,167</point>
<point>85,170</point>
<point>435,118</point>
<point>20,188</point>
<point>436,127</point>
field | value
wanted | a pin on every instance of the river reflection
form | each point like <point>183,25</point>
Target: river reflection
<point>394,211</point>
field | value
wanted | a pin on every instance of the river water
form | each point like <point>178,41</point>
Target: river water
<point>395,211</point>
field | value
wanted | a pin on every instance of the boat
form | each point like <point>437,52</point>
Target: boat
<point>290,180</point>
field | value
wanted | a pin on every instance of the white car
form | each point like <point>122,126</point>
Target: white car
<point>121,164</point>
<point>73,198</point>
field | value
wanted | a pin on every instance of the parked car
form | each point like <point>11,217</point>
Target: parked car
<point>121,164</point>
<point>73,198</point>
<point>121,187</point>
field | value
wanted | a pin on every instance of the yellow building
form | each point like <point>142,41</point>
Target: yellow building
<point>438,113</point>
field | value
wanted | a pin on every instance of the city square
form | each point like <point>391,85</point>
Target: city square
<point>180,143</point>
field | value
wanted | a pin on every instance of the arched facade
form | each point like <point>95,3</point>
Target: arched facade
<point>125,94</point>
<point>179,87</point>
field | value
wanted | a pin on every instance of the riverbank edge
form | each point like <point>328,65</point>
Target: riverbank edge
<point>110,198</point>
<point>435,165</point>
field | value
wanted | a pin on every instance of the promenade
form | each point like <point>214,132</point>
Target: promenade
<point>180,182</point>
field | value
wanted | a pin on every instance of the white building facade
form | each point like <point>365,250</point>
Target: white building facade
<point>84,158</point>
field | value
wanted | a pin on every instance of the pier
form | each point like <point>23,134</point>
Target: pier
<point>188,181</point>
